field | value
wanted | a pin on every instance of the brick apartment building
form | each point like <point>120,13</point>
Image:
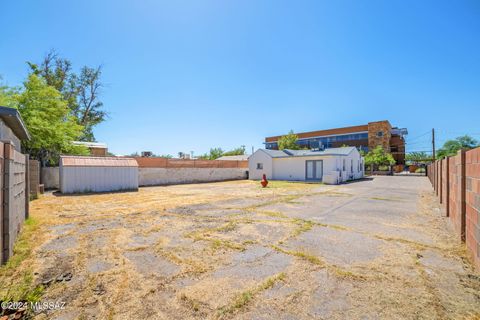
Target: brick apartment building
<point>364,137</point>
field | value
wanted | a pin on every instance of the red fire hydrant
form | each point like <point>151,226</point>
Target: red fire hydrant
<point>264,181</point>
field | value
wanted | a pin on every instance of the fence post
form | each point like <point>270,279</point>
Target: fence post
<point>463,194</point>
<point>438,177</point>
<point>447,187</point>
<point>440,184</point>
<point>27,186</point>
<point>6,201</point>
<point>2,185</point>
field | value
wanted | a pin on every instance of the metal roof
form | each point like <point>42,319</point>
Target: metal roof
<point>81,161</point>
<point>344,151</point>
<point>14,121</point>
<point>234,158</point>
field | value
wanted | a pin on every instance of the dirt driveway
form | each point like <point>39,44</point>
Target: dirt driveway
<point>374,249</point>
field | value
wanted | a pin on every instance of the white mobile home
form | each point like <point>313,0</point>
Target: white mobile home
<point>331,166</point>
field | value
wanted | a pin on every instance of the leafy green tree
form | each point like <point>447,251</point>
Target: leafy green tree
<point>235,152</point>
<point>47,117</point>
<point>379,157</point>
<point>288,141</point>
<point>80,91</point>
<point>451,147</point>
<point>214,153</point>
<point>418,157</point>
<point>8,96</point>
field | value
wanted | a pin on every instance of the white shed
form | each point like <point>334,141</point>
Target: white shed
<point>331,166</point>
<point>80,174</point>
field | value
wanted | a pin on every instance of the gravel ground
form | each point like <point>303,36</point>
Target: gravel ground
<point>373,249</point>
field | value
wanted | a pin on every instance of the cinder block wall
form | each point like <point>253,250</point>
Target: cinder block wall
<point>14,181</point>
<point>161,171</point>
<point>34,172</point>
<point>51,177</point>
<point>165,176</point>
<point>456,181</point>
<point>456,195</point>
<point>472,203</point>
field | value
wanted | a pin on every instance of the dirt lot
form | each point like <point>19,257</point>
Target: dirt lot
<point>368,250</point>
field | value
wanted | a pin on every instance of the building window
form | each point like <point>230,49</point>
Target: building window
<point>343,165</point>
<point>380,134</point>
<point>259,166</point>
<point>351,166</point>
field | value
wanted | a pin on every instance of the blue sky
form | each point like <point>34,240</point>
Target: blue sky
<point>190,75</point>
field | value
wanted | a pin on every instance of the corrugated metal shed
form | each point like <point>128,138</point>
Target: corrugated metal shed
<point>80,174</point>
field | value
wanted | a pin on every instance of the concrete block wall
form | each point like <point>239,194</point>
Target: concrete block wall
<point>165,176</point>
<point>14,181</point>
<point>472,203</point>
<point>161,171</point>
<point>456,181</point>
<point>34,174</point>
<point>51,177</point>
<point>456,213</point>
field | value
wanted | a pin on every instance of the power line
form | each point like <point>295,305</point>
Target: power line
<point>420,136</point>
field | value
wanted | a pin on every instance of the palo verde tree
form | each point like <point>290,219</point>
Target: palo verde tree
<point>81,91</point>
<point>288,141</point>
<point>379,157</point>
<point>451,147</point>
<point>47,118</point>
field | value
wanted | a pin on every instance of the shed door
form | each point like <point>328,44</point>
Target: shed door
<point>314,170</point>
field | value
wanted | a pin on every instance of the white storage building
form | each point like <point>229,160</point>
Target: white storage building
<point>330,166</point>
<point>80,174</point>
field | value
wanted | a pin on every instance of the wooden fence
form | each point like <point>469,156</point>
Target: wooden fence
<point>456,181</point>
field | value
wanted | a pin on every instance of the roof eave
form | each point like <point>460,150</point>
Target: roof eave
<point>14,120</point>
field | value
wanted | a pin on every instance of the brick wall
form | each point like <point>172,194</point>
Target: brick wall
<point>472,203</point>
<point>144,162</point>
<point>456,181</point>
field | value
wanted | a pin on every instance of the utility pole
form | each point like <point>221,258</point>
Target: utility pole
<point>433,144</point>
<point>252,150</point>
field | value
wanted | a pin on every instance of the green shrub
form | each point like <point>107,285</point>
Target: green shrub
<point>420,170</point>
